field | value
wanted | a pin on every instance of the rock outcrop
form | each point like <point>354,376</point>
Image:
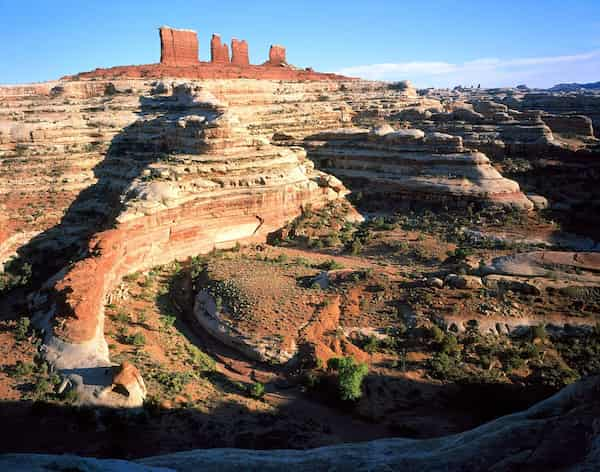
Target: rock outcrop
<point>277,55</point>
<point>219,52</point>
<point>414,166</point>
<point>239,52</point>
<point>179,58</point>
<point>560,433</point>
<point>178,47</point>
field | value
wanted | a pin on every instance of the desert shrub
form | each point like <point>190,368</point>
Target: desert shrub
<point>256,390</point>
<point>17,273</point>
<point>281,258</point>
<point>553,374</point>
<point>581,354</point>
<point>330,264</point>
<point>137,339</point>
<point>200,359</point>
<point>350,376</point>
<point>511,359</point>
<point>311,380</point>
<point>69,395</point>
<point>445,367</point>
<point>22,328</point>
<point>167,320</point>
<point>141,317</point>
<point>435,333</point>
<point>354,247</point>
<point>538,332</point>
<point>122,317</point>
<point>41,387</point>
<point>459,254</point>
<point>449,345</point>
<point>173,382</point>
<point>23,369</point>
<point>371,345</point>
<point>332,240</point>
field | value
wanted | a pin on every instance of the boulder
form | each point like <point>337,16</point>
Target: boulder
<point>470,282</point>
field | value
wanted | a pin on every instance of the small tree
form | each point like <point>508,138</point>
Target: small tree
<point>350,376</point>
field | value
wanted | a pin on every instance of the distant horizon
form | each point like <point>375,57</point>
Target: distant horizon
<point>438,44</point>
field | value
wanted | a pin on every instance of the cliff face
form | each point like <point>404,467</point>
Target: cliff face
<point>54,139</point>
<point>414,166</point>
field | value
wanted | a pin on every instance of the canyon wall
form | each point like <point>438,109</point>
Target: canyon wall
<point>122,174</point>
<point>162,173</point>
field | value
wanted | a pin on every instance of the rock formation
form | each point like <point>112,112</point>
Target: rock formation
<point>560,433</point>
<point>122,174</point>
<point>219,52</point>
<point>178,47</point>
<point>417,167</point>
<point>277,55</point>
<point>179,58</point>
<point>189,177</point>
<point>239,52</point>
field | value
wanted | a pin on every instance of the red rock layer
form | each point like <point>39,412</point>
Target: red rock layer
<point>277,55</point>
<point>219,53</point>
<point>239,52</point>
<point>206,70</point>
<point>178,47</point>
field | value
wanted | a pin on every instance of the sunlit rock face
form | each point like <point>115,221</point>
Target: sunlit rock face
<point>414,166</point>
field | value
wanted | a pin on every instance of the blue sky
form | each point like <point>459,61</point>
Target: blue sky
<point>432,43</point>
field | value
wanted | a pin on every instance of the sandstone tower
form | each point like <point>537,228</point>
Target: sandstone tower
<point>178,47</point>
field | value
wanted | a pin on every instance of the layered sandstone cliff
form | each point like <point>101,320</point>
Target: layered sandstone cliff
<point>414,166</point>
<point>176,174</point>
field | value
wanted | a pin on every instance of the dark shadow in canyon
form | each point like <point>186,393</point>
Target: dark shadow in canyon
<point>572,187</point>
<point>426,410</point>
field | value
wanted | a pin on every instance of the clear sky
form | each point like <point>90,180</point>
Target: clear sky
<point>432,43</point>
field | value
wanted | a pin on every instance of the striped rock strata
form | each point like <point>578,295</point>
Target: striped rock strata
<point>414,166</point>
<point>183,178</point>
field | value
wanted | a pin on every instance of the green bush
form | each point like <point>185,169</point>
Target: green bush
<point>137,339</point>
<point>22,329</point>
<point>449,345</point>
<point>256,390</point>
<point>330,264</point>
<point>16,274</point>
<point>22,369</point>
<point>350,376</point>
<point>436,334</point>
<point>168,320</point>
